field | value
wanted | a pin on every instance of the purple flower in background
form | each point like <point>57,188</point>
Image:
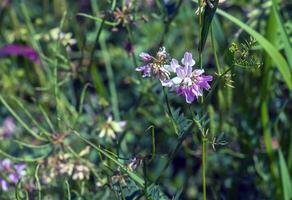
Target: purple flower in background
<point>18,173</point>
<point>187,82</point>
<point>12,173</point>
<point>19,50</point>
<point>4,184</point>
<point>7,128</point>
<point>5,165</point>
<point>20,169</point>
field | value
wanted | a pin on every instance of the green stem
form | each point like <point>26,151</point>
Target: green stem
<point>22,123</point>
<point>200,25</point>
<point>215,51</point>
<point>169,111</point>
<point>56,63</point>
<point>98,33</point>
<point>110,75</point>
<point>132,175</point>
<point>204,139</point>
<point>131,38</point>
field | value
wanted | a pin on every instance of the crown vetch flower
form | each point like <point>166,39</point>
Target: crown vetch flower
<point>187,82</point>
<point>156,66</point>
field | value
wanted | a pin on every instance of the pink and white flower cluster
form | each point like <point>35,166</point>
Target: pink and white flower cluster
<point>182,79</point>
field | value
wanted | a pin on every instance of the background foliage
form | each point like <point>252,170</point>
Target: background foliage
<point>64,97</point>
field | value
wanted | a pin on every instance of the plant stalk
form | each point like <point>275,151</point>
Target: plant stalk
<point>204,154</point>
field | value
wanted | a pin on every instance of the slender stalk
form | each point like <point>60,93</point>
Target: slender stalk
<point>170,112</point>
<point>131,174</point>
<point>38,184</point>
<point>204,154</point>
<point>200,25</point>
<point>108,65</point>
<point>110,75</point>
<point>22,123</point>
<point>131,39</point>
<point>98,33</point>
<point>215,51</point>
<point>56,63</point>
<point>167,20</point>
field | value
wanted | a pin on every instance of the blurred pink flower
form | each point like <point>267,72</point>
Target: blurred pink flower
<point>20,50</point>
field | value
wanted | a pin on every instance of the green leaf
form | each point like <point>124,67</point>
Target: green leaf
<point>97,81</point>
<point>284,35</point>
<point>207,20</point>
<point>285,177</point>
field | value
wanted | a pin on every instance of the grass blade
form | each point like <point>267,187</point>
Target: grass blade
<point>284,35</point>
<point>285,177</point>
<point>278,59</point>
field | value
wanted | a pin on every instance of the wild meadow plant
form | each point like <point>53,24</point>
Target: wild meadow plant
<point>150,99</point>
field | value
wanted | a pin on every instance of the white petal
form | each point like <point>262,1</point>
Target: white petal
<point>177,80</point>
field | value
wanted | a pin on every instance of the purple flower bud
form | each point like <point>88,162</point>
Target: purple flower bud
<point>145,57</point>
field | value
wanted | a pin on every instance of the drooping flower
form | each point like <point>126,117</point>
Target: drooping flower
<point>156,66</point>
<point>187,82</point>
<point>110,128</point>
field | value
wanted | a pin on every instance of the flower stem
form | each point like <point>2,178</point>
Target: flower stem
<point>204,154</point>
<point>200,24</point>
<point>111,78</point>
<point>131,39</point>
